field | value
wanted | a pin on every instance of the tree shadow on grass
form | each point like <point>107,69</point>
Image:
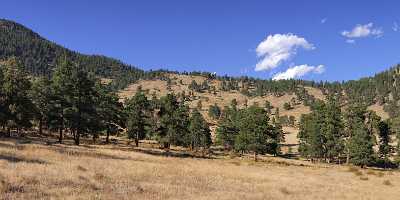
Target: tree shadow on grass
<point>86,153</point>
<point>16,159</point>
<point>170,154</point>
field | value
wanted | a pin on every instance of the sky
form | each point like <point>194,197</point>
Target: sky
<point>303,39</point>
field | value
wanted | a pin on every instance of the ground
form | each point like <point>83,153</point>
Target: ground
<point>36,169</point>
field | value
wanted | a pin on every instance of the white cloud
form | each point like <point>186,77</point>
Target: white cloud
<point>323,21</point>
<point>395,27</point>
<point>299,71</point>
<point>278,48</point>
<point>350,41</point>
<point>360,31</point>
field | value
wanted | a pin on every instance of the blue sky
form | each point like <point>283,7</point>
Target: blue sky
<point>224,36</point>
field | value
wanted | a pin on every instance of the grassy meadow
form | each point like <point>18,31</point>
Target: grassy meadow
<point>32,168</point>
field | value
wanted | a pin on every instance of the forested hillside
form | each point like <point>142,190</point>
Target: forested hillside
<point>46,86</point>
<point>39,56</point>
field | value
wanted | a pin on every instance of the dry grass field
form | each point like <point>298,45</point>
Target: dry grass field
<point>35,170</point>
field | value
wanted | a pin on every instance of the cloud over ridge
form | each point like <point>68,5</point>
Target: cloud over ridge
<point>278,48</point>
<point>298,71</point>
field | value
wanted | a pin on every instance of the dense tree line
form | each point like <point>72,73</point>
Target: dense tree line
<point>249,130</point>
<point>328,134</point>
<point>72,100</point>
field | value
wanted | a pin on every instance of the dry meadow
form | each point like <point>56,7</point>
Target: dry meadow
<point>31,169</point>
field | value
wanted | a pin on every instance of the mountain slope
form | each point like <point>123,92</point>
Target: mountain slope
<point>39,55</point>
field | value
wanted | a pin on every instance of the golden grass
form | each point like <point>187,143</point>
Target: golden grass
<point>379,111</point>
<point>39,171</point>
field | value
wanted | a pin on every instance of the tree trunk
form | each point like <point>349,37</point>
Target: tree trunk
<point>255,156</point>
<point>40,127</point>
<point>137,142</point>
<point>166,148</point>
<point>108,136</point>
<point>60,137</point>
<point>77,136</point>
<point>8,132</point>
<point>94,137</point>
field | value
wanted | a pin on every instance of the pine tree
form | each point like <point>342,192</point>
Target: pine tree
<point>334,136</point>
<point>311,135</point>
<point>3,107</point>
<point>354,117</point>
<point>287,106</point>
<point>384,140</point>
<point>82,115</point>
<point>275,138</point>
<point>254,131</point>
<point>137,114</point>
<point>18,106</point>
<point>360,145</point>
<point>41,95</point>
<point>110,110</point>
<point>74,100</point>
<point>174,119</point>
<point>199,131</point>
<point>228,127</point>
<point>61,90</point>
<point>214,111</point>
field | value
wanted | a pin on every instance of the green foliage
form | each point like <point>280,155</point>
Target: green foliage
<point>174,121</point>
<point>268,107</point>
<point>228,127</point>
<point>321,134</point>
<point>287,106</point>
<point>360,145</point>
<point>137,109</point>
<point>110,111</point>
<point>214,111</point>
<point>41,95</point>
<point>17,107</point>
<point>199,132</point>
<point>248,130</point>
<point>384,139</point>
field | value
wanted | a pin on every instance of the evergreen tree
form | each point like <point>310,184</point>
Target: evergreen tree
<point>287,106</point>
<point>110,111</point>
<point>254,132</point>
<point>82,115</point>
<point>361,146</point>
<point>228,127</point>
<point>311,135</point>
<point>17,105</point>
<point>61,90</point>
<point>137,114</point>
<point>354,118</point>
<point>199,131</point>
<point>268,106</point>
<point>214,111</point>
<point>174,121</point>
<point>41,95</point>
<point>384,139</point>
<point>333,134</point>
